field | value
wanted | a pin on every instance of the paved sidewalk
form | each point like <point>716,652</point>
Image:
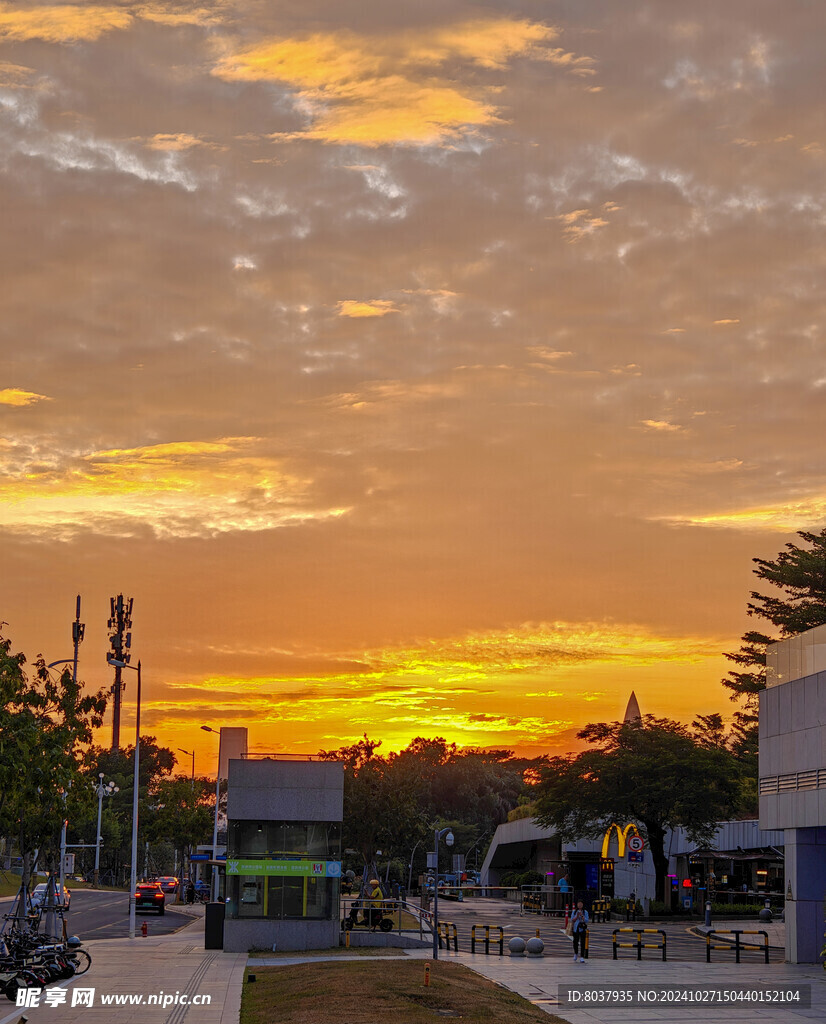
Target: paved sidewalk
<point>538,981</point>
<point>176,965</point>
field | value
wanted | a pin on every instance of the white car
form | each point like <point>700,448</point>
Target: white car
<point>38,896</point>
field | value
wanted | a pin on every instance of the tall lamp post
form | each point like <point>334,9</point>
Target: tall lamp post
<point>214,893</point>
<point>448,837</point>
<point>78,632</point>
<point>101,790</point>
<point>191,754</point>
<point>133,876</point>
<point>410,872</point>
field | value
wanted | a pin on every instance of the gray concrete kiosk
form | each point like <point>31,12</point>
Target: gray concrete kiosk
<point>283,853</point>
<point>792,783</point>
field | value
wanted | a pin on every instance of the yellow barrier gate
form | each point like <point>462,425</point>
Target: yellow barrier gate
<point>737,945</point>
<point>639,945</point>
<point>601,910</point>
<point>445,927</point>
<point>487,939</point>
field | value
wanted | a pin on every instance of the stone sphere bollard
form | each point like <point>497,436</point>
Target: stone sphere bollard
<point>517,946</point>
<point>535,947</point>
<point>765,914</point>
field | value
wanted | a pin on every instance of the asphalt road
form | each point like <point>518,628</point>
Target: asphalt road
<point>680,944</point>
<point>104,914</point>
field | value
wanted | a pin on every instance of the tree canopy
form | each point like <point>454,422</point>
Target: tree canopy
<point>799,574</point>
<point>392,803</point>
<point>46,728</point>
<point>654,773</point>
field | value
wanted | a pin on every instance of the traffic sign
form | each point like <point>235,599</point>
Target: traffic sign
<point>636,844</point>
<point>634,858</point>
<point>199,856</point>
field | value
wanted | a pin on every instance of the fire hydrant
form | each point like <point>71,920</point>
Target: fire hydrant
<point>145,928</point>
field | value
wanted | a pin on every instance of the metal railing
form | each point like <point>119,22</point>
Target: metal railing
<point>391,910</point>
<point>444,929</point>
<point>487,928</point>
<point>638,944</point>
<point>737,945</point>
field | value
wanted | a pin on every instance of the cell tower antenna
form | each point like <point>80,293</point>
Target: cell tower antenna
<point>120,639</point>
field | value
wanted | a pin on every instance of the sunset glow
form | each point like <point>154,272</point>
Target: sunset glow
<point>419,370</point>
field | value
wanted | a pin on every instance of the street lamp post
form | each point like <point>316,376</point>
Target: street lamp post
<point>102,791</point>
<point>448,837</point>
<point>410,872</point>
<point>214,893</point>
<point>133,876</point>
<point>191,754</point>
<point>78,631</point>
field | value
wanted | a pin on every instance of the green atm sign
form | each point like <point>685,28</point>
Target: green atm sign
<point>296,868</point>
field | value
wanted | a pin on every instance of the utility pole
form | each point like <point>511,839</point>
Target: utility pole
<point>120,621</point>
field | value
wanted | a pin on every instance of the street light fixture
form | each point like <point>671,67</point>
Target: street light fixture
<point>448,837</point>
<point>191,754</point>
<point>133,876</point>
<point>101,790</point>
<point>214,893</point>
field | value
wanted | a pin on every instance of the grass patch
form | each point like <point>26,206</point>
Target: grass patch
<point>363,993</point>
<point>263,954</point>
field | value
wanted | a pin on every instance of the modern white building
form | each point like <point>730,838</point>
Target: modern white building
<point>792,781</point>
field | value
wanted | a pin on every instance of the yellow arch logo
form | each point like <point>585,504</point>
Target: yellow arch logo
<point>622,836</point>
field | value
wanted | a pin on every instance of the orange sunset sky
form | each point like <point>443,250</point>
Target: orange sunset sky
<point>427,368</point>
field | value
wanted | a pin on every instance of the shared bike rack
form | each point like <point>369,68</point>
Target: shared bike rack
<point>737,945</point>
<point>639,945</point>
<point>445,927</point>
<point>487,939</point>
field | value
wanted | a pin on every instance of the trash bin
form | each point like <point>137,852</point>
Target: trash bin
<point>214,926</point>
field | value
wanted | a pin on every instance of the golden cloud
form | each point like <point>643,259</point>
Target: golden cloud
<point>662,425</point>
<point>12,75</point>
<point>178,142</point>
<point>786,518</point>
<point>67,23</point>
<point>378,90</point>
<point>72,23</point>
<point>372,307</point>
<point>177,15</point>
<point>14,396</point>
<point>191,488</point>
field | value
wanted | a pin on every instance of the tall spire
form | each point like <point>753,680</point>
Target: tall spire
<point>632,712</point>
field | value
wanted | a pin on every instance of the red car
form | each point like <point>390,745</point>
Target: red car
<point>150,896</point>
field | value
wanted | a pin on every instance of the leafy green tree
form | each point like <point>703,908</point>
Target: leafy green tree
<point>183,812</point>
<point>382,810</point>
<point>653,773</point>
<point>46,728</point>
<point>799,574</point>
<point>118,766</point>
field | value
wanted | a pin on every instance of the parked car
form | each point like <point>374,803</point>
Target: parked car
<point>150,896</point>
<point>169,883</point>
<point>38,896</point>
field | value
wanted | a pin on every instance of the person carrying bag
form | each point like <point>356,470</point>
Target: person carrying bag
<point>579,929</point>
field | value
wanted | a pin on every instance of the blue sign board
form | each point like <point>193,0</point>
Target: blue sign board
<point>199,856</point>
<point>634,858</point>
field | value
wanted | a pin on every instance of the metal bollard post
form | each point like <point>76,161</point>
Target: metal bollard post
<point>708,913</point>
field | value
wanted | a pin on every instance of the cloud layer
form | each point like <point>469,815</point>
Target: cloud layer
<point>340,329</point>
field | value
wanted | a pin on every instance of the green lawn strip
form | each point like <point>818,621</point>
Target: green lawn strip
<point>263,954</point>
<point>363,993</point>
<point>10,885</point>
